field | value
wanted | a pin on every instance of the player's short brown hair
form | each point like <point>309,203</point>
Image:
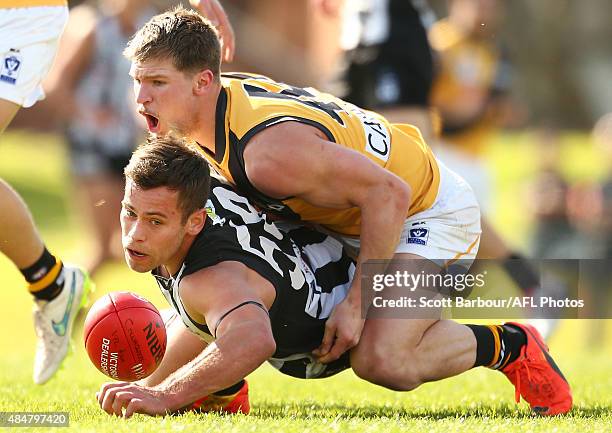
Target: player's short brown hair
<point>183,35</point>
<point>171,162</point>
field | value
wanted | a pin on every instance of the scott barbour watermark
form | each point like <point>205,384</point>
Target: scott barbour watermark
<point>487,289</point>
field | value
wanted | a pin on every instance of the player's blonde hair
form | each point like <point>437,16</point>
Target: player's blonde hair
<point>183,35</point>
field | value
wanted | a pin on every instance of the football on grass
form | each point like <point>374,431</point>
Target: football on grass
<point>125,336</point>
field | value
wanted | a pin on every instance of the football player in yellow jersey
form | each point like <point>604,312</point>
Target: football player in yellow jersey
<point>29,34</point>
<point>305,155</point>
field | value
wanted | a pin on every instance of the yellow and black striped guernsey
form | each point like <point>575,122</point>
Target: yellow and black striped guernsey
<point>249,103</point>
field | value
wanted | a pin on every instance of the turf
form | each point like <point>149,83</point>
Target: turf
<point>478,401</point>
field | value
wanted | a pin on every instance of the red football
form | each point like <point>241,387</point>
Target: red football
<point>125,336</point>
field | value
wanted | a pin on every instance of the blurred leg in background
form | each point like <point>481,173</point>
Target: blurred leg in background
<point>90,93</point>
<point>30,36</point>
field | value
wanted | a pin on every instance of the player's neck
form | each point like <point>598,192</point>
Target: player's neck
<point>174,264</point>
<point>204,133</point>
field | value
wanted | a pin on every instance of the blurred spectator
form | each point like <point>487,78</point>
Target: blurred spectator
<point>554,236</point>
<point>91,92</point>
<point>470,92</point>
<point>387,62</point>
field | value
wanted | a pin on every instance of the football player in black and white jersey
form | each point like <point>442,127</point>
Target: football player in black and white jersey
<point>247,291</point>
<point>231,276</point>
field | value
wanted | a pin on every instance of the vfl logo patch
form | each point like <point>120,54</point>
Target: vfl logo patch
<point>10,67</point>
<point>418,236</point>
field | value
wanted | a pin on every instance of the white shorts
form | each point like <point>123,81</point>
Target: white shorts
<point>28,43</point>
<point>447,232</point>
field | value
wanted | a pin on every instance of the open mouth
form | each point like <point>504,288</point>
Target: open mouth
<point>152,122</point>
<point>135,254</point>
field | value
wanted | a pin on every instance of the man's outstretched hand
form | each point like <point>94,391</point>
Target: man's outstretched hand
<point>124,399</point>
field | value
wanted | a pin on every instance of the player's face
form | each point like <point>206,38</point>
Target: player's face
<point>164,96</point>
<point>151,227</point>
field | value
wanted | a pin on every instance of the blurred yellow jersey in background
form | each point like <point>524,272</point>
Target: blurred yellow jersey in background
<point>467,79</point>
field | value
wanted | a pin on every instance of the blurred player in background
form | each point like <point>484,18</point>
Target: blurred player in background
<point>470,91</point>
<point>388,66</point>
<point>29,34</point>
<point>89,90</point>
<point>387,63</point>
<point>470,94</point>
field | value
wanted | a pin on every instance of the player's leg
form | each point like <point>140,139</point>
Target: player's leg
<point>492,245</point>
<point>20,241</point>
<point>31,35</point>
<point>182,347</point>
<point>8,110</point>
<point>101,196</point>
<point>404,352</point>
<point>56,308</point>
<point>47,277</point>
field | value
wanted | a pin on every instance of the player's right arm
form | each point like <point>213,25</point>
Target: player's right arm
<point>244,337</point>
<point>244,341</point>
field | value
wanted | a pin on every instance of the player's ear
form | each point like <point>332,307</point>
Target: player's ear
<point>202,81</point>
<point>195,222</point>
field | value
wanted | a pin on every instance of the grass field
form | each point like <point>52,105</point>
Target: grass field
<point>478,401</point>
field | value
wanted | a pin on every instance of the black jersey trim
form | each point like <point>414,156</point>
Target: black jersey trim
<point>220,113</point>
<point>163,286</point>
<point>243,76</point>
<point>237,165</point>
<point>242,304</point>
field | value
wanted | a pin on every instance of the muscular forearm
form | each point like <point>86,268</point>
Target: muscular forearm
<point>382,219</point>
<point>232,357</point>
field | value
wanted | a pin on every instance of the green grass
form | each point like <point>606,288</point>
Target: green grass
<point>478,401</point>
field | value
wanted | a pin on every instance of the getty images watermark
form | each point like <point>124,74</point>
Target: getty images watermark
<point>490,289</point>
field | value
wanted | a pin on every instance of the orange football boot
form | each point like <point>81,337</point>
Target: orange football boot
<point>233,403</point>
<point>537,378</point>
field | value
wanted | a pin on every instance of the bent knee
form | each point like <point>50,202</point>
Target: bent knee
<point>385,370</point>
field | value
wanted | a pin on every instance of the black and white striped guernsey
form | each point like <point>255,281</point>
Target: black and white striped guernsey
<point>309,270</point>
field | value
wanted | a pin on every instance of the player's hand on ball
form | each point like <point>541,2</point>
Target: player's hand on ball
<point>124,399</point>
<point>342,332</point>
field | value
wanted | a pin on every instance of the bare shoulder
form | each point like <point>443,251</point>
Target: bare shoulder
<point>211,292</point>
<point>226,274</point>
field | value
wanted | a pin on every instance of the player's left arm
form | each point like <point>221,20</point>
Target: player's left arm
<point>293,159</point>
<point>244,341</point>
